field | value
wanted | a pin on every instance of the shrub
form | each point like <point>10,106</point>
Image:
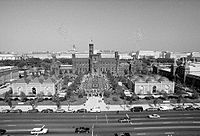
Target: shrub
<point>115,99</point>
<point>107,94</point>
<point>23,97</point>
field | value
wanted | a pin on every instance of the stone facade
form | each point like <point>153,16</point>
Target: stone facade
<point>35,86</point>
<point>152,85</point>
<point>95,63</point>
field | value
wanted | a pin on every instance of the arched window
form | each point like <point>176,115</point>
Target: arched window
<point>167,88</point>
<point>19,89</point>
<point>141,89</point>
<point>34,90</point>
<point>154,89</point>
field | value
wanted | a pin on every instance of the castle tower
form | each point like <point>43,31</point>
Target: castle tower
<point>73,63</point>
<point>173,69</point>
<point>91,52</point>
<point>117,61</point>
<point>186,71</point>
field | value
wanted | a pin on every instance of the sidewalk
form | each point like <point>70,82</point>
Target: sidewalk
<point>96,102</point>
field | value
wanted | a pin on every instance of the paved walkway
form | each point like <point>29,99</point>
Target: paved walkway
<point>93,102</point>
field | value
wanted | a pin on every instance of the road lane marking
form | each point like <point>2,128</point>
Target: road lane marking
<point>6,120</point>
<point>11,125</point>
<point>189,117</point>
<point>18,130</point>
<point>169,127</point>
<point>36,120</point>
<point>39,124</point>
<point>169,133</point>
<point>139,134</point>
<point>166,122</point>
<point>195,121</point>
<point>186,114</point>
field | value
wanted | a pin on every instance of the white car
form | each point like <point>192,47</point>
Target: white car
<point>96,109</point>
<point>164,108</point>
<point>154,116</point>
<point>37,131</point>
<point>60,111</point>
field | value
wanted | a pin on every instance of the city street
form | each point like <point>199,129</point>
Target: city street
<point>175,123</point>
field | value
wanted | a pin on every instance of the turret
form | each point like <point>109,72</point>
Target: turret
<point>74,62</point>
<point>186,70</point>
<point>91,52</point>
<point>173,68</point>
<point>117,61</point>
<point>91,48</point>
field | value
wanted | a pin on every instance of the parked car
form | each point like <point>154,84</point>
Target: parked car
<point>5,111</point>
<point>164,108</point>
<point>82,130</point>
<point>47,111</point>
<point>33,111</point>
<point>2,131</point>
<point>122,134</point>
<point>60,111</point>
<point>190,108</point>
<point>197,108</point>
<point>152,109</point>
<point>81,111</point>
<point>16,111</point>
<point>137,109</point>
<point>37,131</point>
<point>96,109</point>
<point>179,108</point>
<point>70,110</point>
<point>124,120</point>
<point>153,116</point>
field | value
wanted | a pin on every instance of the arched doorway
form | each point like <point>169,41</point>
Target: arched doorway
<point>34,90</point>
<point>154,89</point>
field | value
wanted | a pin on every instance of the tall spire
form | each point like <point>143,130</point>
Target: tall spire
<point>175,64</point>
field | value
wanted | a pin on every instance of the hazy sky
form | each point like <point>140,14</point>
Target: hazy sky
<point>123,25</point>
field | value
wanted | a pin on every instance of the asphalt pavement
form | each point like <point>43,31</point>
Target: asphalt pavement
<point>171,123</point>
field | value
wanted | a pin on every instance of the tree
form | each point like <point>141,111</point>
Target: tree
<point>23,97</point>
<point>33,103</point>
<point>155,102</point>
<point>107,93</point>
<point>180,99</point>
<point>40,96</point>
<point>56,99</point>
<point>10,91</point>
<point>7,99</point>
<point>195,95</point>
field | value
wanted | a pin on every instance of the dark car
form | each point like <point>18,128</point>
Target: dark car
<point>33,111</point>
<point>190,108</point>
<point>124,120</point>
<point>178,108</point>
<point>16,111</point>
<point>137,109</point>
<point>82,130</point>
<point>152,109</point>
<point>197,108</point>
<point>47,111</point>
<point>81,111</point>
<point>122,134</point>
<point>2,131</point>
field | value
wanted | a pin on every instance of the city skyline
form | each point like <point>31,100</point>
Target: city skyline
<point>112,25</point>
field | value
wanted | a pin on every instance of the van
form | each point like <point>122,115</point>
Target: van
<point>137,109</point>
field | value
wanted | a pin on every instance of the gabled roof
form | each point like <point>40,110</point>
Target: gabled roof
<point>49,80</point>
<point>22,80</point>
<point>35,80</point>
